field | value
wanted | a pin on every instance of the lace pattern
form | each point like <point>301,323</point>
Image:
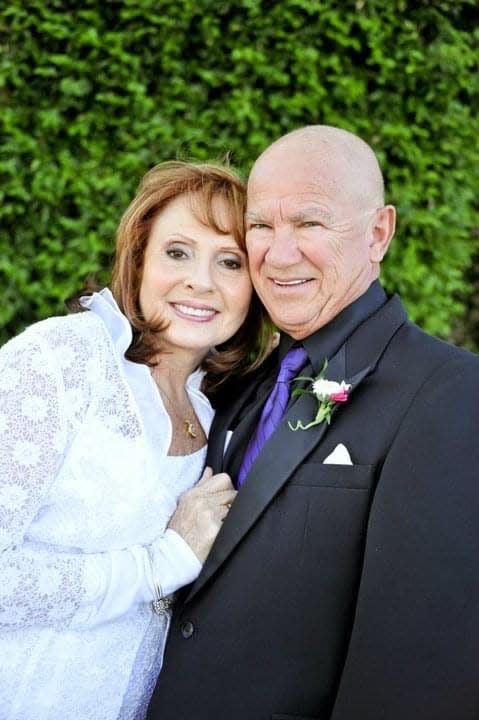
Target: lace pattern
<point>36,390</point>
<point>82,474</point>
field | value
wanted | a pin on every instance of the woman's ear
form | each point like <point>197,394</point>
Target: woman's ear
<point>382,230</point>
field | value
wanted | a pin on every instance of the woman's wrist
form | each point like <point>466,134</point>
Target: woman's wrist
<point>173,564</point>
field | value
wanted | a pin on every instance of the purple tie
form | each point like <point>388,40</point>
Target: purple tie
<point>274,408</point>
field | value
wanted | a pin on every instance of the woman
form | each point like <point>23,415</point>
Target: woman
<point>103,426</point>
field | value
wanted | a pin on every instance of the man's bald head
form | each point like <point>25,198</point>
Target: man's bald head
<point>352,166</point>
<point>316,226</point>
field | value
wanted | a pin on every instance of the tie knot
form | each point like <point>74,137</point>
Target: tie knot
<point>293,361</point>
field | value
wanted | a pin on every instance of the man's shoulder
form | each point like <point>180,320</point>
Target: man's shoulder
<point>412,338</point>
<point>418,361</point>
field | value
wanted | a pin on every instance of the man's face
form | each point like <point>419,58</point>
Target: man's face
<point>308,241</point>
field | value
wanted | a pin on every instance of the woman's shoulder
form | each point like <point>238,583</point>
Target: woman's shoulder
<point>80,333</point>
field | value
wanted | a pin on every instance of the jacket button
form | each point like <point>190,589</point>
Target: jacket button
<point>187,629</point>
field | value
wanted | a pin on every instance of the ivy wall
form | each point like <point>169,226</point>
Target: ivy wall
<point>94,92</point>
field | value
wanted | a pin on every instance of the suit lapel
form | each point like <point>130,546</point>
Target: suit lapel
<point>274,466</point>
<point>240,440</point>
<point>219,428</point>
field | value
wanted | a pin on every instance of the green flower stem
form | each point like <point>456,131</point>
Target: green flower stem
<point>323,415</point>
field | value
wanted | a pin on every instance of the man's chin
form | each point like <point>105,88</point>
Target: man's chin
<point>297,328</point>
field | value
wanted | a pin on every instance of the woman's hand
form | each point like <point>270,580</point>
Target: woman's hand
<point>201,510</point>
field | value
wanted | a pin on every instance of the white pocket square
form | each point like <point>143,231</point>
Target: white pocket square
<point>229,435</point>
<point>339,456</point>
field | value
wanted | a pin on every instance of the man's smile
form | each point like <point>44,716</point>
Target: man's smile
<point>290,283</point>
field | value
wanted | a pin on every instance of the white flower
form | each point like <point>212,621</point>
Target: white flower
<point>26,453</point>
<point>34,408</point>
<point>323,389</point>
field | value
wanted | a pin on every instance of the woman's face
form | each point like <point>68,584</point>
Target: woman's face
<point>194,278</point>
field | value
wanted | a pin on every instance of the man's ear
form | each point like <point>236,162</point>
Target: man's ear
<point>382,230</point>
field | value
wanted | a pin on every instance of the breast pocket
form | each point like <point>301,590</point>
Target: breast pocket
<point>352,477</point>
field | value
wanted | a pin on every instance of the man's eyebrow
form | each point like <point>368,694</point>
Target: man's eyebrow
<point>252,215</point>
<point>310,213</point>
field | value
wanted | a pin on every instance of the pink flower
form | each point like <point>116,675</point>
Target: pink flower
<point>340,396</point>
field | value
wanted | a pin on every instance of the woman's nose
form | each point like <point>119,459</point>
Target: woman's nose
<point>201,277</point>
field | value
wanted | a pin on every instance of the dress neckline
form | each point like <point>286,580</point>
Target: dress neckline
<point>190,455</point>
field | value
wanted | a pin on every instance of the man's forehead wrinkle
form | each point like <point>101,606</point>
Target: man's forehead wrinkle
<point>294,207</point>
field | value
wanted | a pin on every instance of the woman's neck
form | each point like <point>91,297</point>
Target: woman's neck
<point>172,370</point>
<point>170,375</point>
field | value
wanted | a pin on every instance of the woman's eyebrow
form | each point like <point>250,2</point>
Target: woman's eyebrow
<point>179,236</point>
<point>233,247</point>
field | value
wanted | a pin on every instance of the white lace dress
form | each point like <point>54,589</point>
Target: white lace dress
<point>85,484</point>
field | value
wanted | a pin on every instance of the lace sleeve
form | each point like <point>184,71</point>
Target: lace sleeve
<point>37,587</point>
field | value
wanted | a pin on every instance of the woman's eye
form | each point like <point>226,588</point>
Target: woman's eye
<point>232,263</point>
<point>176,253</point>
<point>311,223</point>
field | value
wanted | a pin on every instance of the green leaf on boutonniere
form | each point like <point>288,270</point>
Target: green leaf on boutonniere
<point>328,393</point>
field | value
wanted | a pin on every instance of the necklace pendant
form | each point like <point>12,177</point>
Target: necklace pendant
<point>190,429</point>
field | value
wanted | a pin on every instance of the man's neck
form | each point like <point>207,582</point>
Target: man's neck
<point>326,341</point>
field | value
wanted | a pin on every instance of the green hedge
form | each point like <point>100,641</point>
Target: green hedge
<point>94,92</point>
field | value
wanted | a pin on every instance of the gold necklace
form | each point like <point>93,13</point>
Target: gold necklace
<point>188,426</point>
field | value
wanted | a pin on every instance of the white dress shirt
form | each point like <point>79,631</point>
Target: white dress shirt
<point>86,486</point>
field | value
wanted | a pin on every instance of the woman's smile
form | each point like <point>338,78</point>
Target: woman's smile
<point>194,311</point>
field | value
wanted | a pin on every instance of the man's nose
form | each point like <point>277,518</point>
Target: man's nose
<point>283,250</point>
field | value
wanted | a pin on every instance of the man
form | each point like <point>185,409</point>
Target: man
<point>344,582</point>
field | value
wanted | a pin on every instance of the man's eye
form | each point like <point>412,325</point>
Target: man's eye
<point>257,226</point>
<point>311,223</point>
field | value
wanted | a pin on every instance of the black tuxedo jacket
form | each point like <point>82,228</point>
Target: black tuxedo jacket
<point>344,592</point>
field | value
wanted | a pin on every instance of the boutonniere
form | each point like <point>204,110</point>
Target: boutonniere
<point>327,393</point>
